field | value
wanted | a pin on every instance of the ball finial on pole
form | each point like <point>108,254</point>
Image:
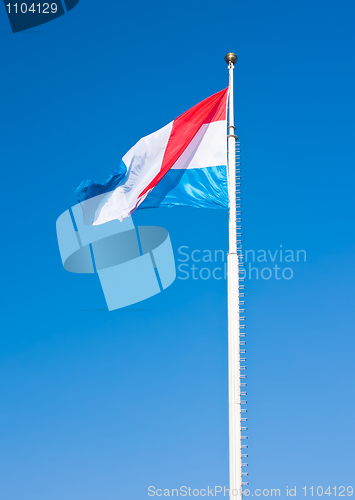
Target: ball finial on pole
<point>231,58</point>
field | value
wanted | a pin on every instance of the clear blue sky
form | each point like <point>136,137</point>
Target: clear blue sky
<point>98,405</point>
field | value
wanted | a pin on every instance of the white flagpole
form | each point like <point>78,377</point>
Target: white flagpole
<point>235,460</point>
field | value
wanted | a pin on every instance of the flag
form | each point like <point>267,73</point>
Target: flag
<point>181,164</point>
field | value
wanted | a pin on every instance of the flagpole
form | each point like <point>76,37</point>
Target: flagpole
<point>235,460</point>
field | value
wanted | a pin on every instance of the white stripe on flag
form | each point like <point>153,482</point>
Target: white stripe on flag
<point>143,162</point>
<point>207,149</point>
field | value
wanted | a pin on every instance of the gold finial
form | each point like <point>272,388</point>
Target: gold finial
<point>231,58</point>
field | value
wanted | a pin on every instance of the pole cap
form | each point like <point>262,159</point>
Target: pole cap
<point>231,58</point>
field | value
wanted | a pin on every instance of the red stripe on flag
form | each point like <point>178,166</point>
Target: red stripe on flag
<point>184,129</point>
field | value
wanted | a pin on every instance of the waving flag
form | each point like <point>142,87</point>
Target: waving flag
<point>182,164</point>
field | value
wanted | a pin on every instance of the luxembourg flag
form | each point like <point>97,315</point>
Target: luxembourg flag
<point>182,164</point>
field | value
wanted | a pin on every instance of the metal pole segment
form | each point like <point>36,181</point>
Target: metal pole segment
<point>235,459</point>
